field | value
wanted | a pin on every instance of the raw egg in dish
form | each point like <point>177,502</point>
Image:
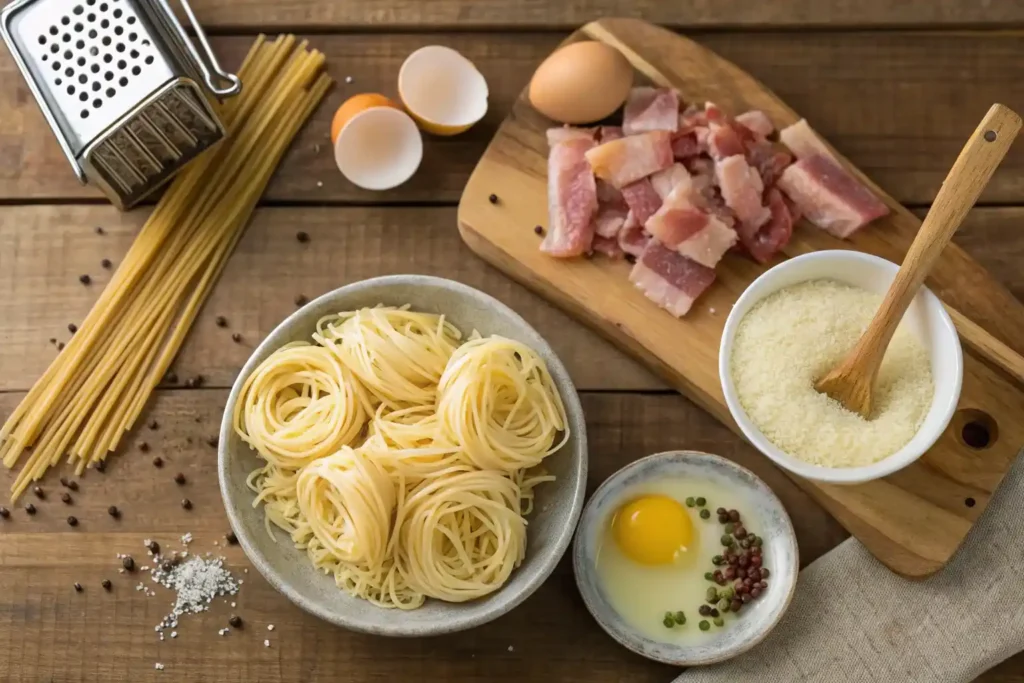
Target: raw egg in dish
<point>581,83</point>
<point>659,553</point>
<point>653,530</point>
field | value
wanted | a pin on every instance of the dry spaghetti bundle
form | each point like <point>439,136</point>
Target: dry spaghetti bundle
<point>95,389</point>
<point>429,500</point>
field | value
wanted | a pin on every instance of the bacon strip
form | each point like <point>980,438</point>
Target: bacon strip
<point>572,200</point>
<point>669,279</point>
<point>828,196</point>
<point>625,161</point>
<point>650,109</point>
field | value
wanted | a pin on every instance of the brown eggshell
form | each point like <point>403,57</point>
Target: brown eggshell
<point>581,83</point>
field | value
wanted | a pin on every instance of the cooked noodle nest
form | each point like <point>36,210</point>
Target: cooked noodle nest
<point>398,354</point>
<point>460,535</point>
<point>498,403</point>
<point>300,404</point>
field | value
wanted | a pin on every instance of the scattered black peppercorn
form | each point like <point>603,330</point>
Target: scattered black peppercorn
<point>190,383</point>
<point>78,587</point>
<point>539,230</point>
<point>221,321</point>
<point>179,479</point>
<point>166,566</point>
<point>60,346</point>
<point>106,263</point>
<point>101,466</point>
<point>53,340</point>
<point>236,337</point>
<point>128,563</point>
<point>143,446</point>
<point>153,424</point>
<point>171,377</point>
<point>113,511</point>
<point>66,498</point>
<point>64,481</point>
<point>198,420</point>
<point>302,237</point>
<point>153,547</point>
<point>72,520</point>
<point>198,380</point>
<point>212,442</point>
<point>72,484</point>
<point>106,584</point>
<point>493,199</point>
<point>158,461</point>
<point>4,512</point>
<point>231,538</point>
<point>99,230</point>
<point>235,621</point>
<point>38,490</point>
<point>30,509</point>
<point>85,279</point>
<point>72,328</point>
<point>301,300</point>
<point>186,503</point>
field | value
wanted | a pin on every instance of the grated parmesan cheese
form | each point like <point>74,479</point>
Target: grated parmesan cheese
<point>792,338</point>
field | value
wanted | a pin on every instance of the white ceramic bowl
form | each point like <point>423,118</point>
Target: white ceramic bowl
<point>927,319</point>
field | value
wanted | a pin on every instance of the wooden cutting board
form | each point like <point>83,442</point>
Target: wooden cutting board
<point>914,520</point>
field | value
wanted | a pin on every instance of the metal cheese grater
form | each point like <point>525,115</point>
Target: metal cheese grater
<point>121,85</point>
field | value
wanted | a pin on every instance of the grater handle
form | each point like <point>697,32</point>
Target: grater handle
<point>220,83</point>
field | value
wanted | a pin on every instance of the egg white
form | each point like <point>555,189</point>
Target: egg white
<point>641,594</point>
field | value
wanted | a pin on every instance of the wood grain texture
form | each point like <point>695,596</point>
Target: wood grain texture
<point>927,91</point>
<point>497,14</point>
<point>44,249</point>
<point>886,515</point>
<point>52,632</point>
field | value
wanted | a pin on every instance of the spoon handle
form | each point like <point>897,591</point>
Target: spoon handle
<point>979,158</point>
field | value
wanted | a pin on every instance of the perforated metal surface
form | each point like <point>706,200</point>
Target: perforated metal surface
<point>94,61</point>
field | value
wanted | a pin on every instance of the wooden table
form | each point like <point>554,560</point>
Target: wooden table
<point>895,86</point>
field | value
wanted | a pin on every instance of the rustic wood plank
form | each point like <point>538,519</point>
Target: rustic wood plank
<point>43,250</point>
<point>496,14</point>
<point>49,630</point>
<point>898,105</point>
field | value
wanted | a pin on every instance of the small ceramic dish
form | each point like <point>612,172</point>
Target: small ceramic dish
<point>779,550</point>
<point>927,319</point>
<point>557,505</point>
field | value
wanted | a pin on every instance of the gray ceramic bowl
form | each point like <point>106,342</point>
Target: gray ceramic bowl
<point>558,504</point>
<point>780,552</point>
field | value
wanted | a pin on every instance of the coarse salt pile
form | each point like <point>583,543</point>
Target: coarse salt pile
<point>196,581</point>
<point>792,338</point>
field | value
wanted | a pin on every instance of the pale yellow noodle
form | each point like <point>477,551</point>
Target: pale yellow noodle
<point>497,401</point>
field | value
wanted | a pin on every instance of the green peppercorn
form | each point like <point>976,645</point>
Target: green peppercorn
<point>712,595</point>
<point>723,605</point>
<point>690,502</point>
<point>726,540</point>
<point>701,502</point>
<point>668,620</point>
<point>757,542</point>
<point>704,625</point>
<point>717,560</point>
<point>680,618</point>
<point>728,592</point>
<point>708,576</point>
<point>729,527</point>
<point>705,514</point>
<point>719,621</point>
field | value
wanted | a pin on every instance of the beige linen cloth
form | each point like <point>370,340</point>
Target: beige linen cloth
<point>854,621</point>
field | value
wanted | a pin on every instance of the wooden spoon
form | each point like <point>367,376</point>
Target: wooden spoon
<point>852,381</point>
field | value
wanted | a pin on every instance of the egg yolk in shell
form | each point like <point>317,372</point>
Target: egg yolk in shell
<point>653,529</point>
